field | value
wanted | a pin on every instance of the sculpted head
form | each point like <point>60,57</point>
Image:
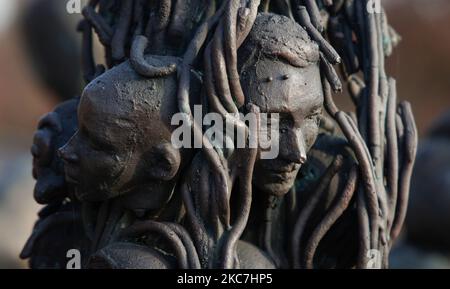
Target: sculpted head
<point>124,136</point>
<point>279,69</point>
<point>54,130</point>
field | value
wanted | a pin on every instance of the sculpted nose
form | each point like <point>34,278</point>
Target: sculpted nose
<point>296,147</point>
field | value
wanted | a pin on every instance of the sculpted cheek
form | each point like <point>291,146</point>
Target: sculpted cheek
<point>113,164</point>
<point>102,164</point>
<point>310,133</point>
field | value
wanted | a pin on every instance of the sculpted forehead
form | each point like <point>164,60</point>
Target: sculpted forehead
<point>276,86</point>
<point>120,94</point>
<point>96,112</point>
<point>102,99</point>
<point>279,36</point>
<point>101,123</point>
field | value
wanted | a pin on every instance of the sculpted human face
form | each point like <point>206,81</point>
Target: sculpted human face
<point>122,141</point>
<point>296,95</point>
<point>95,157</point>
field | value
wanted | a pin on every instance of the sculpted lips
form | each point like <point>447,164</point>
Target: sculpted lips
<point>282,172</point>
<point>278,167</point>
<point>286,176</point>
<point>286,169</point>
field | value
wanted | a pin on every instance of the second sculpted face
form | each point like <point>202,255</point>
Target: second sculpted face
<point>296,95</point>
<point>123,140</point>
<point>280,74</point>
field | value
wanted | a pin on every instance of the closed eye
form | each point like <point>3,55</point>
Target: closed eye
<point>315,116</point>
<point>316,110</point>
<point>95,143</point>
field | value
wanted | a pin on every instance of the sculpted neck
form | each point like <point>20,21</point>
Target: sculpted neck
<point>266,225</point>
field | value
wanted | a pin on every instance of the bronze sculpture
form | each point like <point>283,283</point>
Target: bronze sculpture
<point>227,207</point>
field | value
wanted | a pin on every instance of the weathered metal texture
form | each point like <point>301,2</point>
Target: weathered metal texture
<point>329,199</point>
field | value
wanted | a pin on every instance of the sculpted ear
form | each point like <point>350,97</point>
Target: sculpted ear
<point>164,162</point>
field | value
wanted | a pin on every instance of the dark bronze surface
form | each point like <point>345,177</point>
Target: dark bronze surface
<point>334,197</point>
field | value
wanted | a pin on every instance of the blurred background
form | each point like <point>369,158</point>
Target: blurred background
<point>39,67</point>
<point>29,89</point>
